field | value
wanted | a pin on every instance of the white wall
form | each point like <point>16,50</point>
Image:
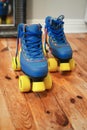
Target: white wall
<point>74,11</point>
<point>39,9</point>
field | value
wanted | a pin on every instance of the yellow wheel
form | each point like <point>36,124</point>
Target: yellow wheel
<point>38,86</point>
<point>15,63</point>
<point>72,64</point>
<point>24,84</point>
<point>65,67</point>
<point>8,21</point>
<point>48,82</point>
<point>52,65</point>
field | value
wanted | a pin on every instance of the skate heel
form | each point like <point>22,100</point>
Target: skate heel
<point>38,86</point>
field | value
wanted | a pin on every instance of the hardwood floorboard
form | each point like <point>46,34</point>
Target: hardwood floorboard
<point>64,107</point>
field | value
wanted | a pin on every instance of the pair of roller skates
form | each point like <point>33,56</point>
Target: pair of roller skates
<point>30,57</point>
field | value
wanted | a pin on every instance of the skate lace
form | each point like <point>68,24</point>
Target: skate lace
<point>57,31</point>
<point>33,48</point>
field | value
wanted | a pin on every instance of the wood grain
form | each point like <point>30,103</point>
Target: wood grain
<point>5,120</point>
<point>64,107</point>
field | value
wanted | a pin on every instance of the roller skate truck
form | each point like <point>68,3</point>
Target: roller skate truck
<point>58,46</point>
<point>30,59</point>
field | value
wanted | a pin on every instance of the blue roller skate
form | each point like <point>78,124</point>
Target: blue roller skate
<point>56,42</point>
<point>3,11</point>
<point>31,60</point>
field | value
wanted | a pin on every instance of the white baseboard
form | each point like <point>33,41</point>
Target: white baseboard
<point>70,26</point>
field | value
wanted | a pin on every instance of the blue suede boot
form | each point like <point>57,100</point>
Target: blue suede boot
<point>57,42</point>
<point>31,58</point>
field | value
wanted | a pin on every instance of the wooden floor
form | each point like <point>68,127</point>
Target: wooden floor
<point>62,108</point>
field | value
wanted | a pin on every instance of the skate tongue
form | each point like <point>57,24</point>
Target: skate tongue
<point>61,17</point>
<point>34,28</point>
<point>33,33</point>
<point>57,23</point>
